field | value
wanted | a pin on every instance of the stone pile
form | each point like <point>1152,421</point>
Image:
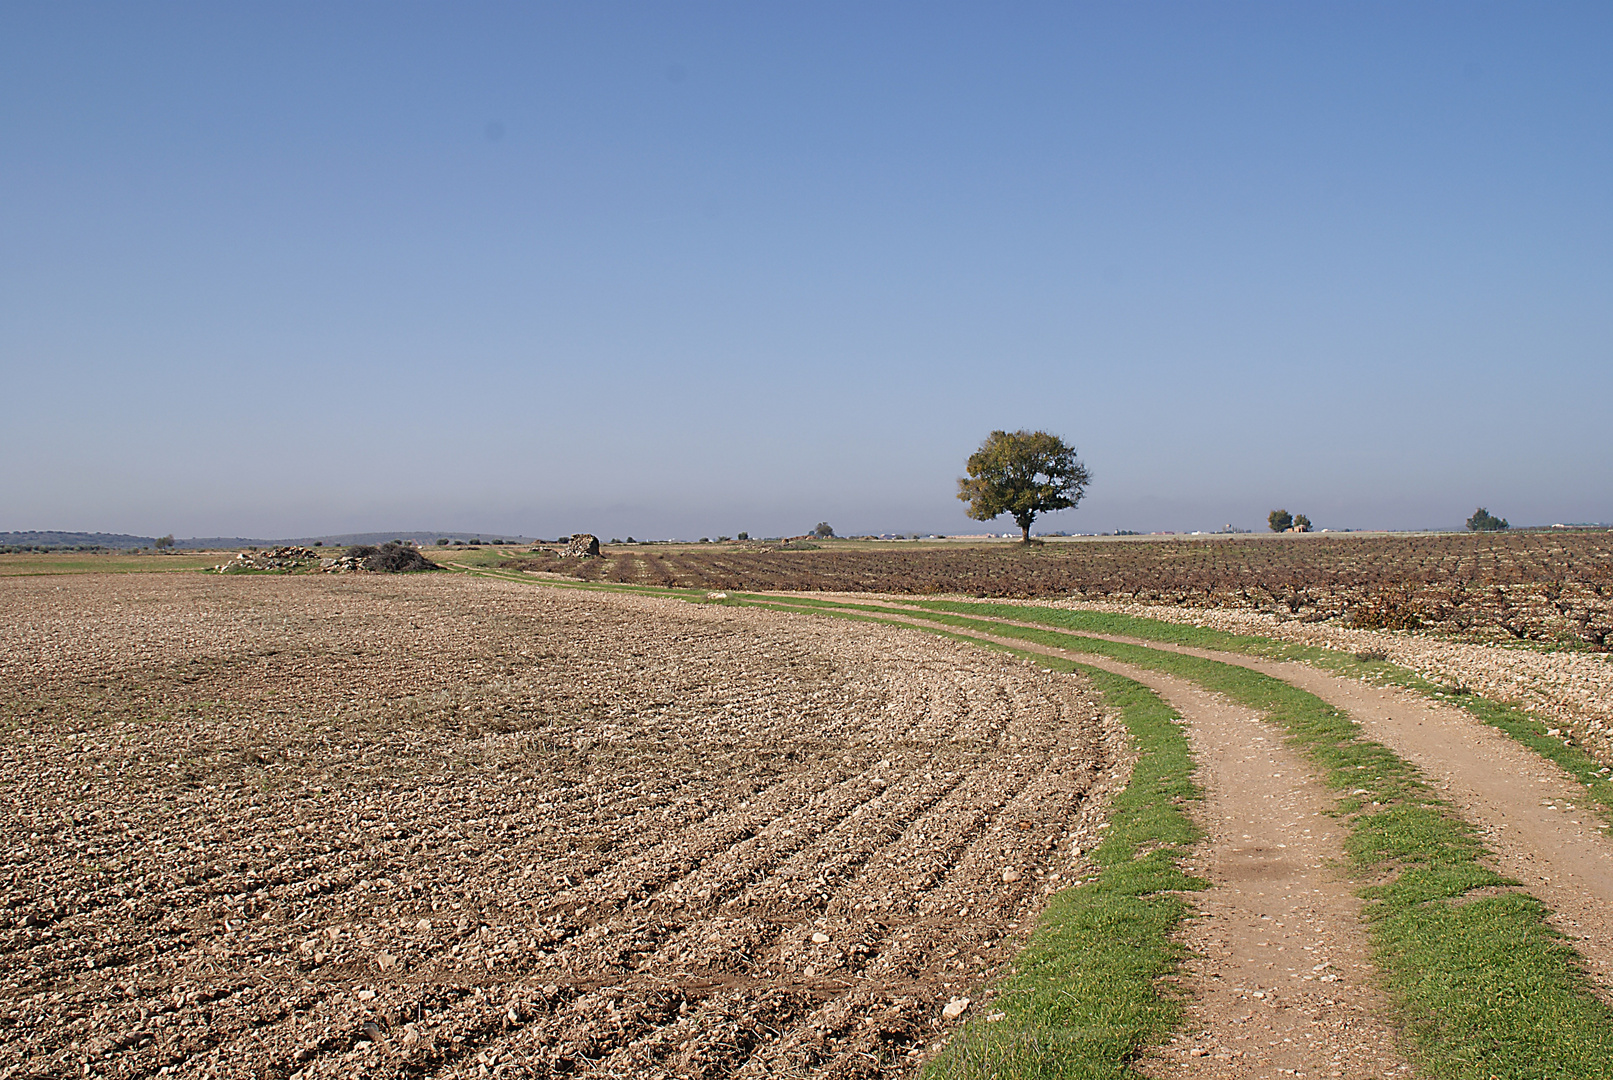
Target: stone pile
<point>393,557</point>
<point>280,558</point>
<point>582,546</point>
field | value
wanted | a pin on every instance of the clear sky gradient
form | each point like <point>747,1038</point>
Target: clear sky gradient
<point>677,269</point>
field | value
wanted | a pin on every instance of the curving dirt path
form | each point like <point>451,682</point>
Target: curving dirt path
<point>1278,976</point>
<point>1529,811</point>
<point>1280,983</point>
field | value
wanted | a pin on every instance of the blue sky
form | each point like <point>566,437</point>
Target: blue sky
<point>686,269</point>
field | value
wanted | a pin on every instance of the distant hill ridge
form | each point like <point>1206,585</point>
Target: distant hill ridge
<point>51,538</point>
<point>123,541</point>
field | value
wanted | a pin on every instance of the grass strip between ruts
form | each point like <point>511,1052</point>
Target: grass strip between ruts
<point>1487,989</point>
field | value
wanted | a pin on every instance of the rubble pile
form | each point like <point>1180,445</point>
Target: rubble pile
<point>582,546</point>
<point>389,558</point>
<point>285,559</point>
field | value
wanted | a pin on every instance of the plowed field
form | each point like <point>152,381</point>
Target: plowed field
<point>1515,586</point>
<point>440,826</point>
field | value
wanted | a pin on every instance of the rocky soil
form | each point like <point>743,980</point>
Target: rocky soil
<point>323,826</point>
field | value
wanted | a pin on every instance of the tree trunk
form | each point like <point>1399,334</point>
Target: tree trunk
<point>1025,533</point>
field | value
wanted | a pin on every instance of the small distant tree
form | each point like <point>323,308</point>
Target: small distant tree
<point>1481,521</point>
<point>1301,523</point>
<point>744,536</point>
<point>442,541</point>
<point>823,531</point>
<point>165,541</point>
<point>1022,474</point>
<point>1279,520</point>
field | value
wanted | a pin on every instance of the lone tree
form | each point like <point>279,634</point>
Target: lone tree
<point>1279,520</point>
<point>1483,521</point>
<point>1022,474</point>
<point>824,530</point>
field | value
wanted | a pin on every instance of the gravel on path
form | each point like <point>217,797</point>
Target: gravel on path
<point>1278,974</point>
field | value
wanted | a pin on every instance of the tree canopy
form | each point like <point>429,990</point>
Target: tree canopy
<point>1283,521</point>
<point>1022,474</point>
<point>1483,521</point>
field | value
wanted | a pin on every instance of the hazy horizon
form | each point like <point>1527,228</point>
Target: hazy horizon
<point>688,270</point>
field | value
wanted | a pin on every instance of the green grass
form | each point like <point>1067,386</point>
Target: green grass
<point>1086,995</point>
<point>486,557</point>
<point>586,586</point>
<point>26,563</point>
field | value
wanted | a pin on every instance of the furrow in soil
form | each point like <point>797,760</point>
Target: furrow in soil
<point>323,827</point>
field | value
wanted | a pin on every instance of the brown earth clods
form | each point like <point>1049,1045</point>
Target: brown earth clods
<point>436,826</point>
<point>1527,586</point>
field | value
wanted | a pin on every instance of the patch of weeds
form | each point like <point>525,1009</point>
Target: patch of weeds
<point>585,586</point>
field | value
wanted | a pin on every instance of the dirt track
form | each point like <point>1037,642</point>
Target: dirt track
<point>1278,982</point>
<point>1531,814</point>
<point>1279,976</point>
<point>1571,689</point>
<point>436,826</point>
